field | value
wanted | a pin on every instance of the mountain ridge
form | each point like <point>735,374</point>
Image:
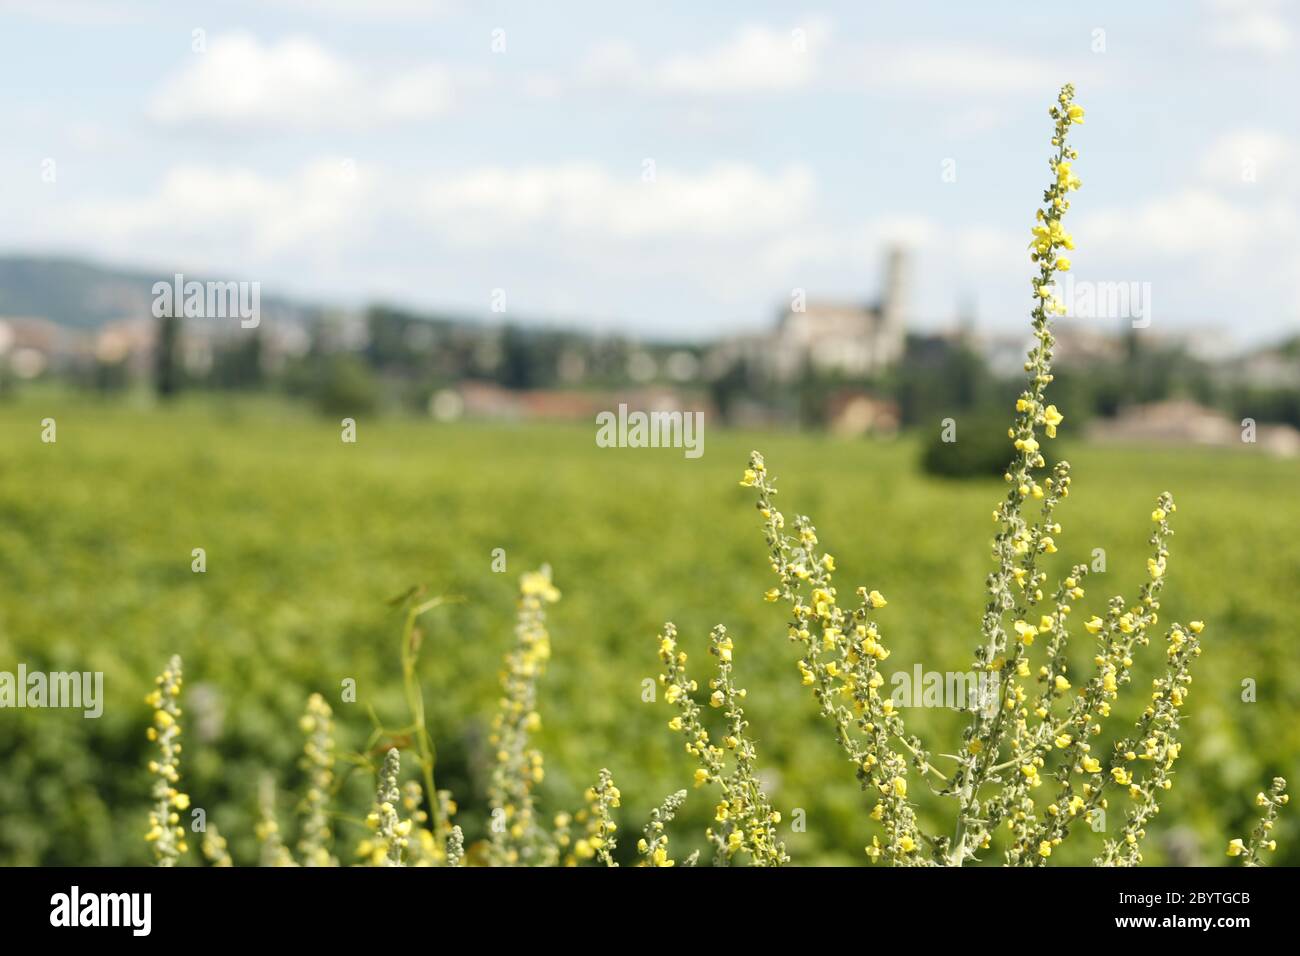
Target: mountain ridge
<point>79,293</point>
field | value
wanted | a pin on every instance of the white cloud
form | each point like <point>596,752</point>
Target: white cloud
<point>1219,242</point>
<point>1256,26</point>
<point>1251,157</point>
<point>1224,220</point>
<point>847,250</point>
<point>380,10</point>
<point>229,215</point>
<point>324,220</point>
<point>963,71</point>
<point>72,12</point>
<point>974,120</point>
<point>757,59</point>
<point>240,82</point>
<point>991,251</point>
<point>613,63</point>
<point>588,200</point>
<point>765,59</point>
<point>415,94</point>
<point>1192,222</point>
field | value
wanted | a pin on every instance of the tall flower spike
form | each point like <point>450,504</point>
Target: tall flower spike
<point>604,796</point>
<point>422,846</point>
<point>1154,745</point>
<point>318,762</point>
<point>166,835</point>
<point>1118,637</point>
<point>213,847</point>
<point>1014,587</point>
<point>455,846</point>
<point>443,823</point>
<point>274,852</point>
<point>842,651</point>
<point>653,847</point>
<point>1261,838</point>
<point>747,820</point>
<point>390,831</point>
<point>518,838</point>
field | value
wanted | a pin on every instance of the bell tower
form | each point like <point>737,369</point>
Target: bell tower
<point>893,306</point>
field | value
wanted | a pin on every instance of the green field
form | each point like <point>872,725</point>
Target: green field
<point>307,537</point>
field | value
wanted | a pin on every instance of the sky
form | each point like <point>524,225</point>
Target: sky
<point>667,169</point>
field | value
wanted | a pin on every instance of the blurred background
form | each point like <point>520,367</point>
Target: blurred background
<point>471,228</point>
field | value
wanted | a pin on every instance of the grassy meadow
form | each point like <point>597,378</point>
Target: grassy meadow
<point>307,538</point>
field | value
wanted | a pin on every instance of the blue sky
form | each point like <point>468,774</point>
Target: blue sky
<point>349,151</point>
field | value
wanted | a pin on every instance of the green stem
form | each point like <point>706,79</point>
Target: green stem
<point>415,704</point>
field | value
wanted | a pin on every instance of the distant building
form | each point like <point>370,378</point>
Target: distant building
<point>30,346</point>
<point>1183,422</point>
<point>1266,368</point>
<point>846,338</point>
<point>851,412</point>
<point>127,341</point>
<point>488,401</point>
<point>1081,345</point>
<point>826,337</point>
<point>1178,422</point>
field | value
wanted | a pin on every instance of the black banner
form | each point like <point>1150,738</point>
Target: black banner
<point>335,905</point>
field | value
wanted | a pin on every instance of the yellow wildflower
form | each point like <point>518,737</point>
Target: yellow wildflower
<point>1052,418</point>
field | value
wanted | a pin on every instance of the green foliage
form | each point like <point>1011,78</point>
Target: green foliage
<point>934,384</point>
<point>308,538</point>
<point>345,386</point>
<point>978,448</point>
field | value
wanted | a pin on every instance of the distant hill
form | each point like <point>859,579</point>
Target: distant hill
<point>82,295</point>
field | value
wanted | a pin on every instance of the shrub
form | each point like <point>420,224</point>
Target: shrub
<point>345,386</point>
<point>977,449</point>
